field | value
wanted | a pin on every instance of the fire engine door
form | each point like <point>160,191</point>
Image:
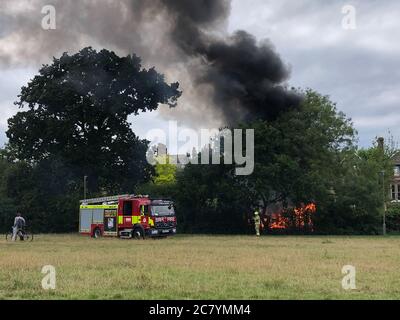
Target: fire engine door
<point>127,212</point>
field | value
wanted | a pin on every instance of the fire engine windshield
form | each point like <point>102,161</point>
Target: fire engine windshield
<point>162,210</point>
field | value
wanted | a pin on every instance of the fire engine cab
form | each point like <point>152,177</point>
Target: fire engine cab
<point>127,216</point>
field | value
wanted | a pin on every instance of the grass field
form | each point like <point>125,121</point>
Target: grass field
<point>201,267</point>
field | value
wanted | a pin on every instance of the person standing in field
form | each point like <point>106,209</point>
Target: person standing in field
<point>257,221</point>
<point>19,224</point>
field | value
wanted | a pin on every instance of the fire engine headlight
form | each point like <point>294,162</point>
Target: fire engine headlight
<point>174,230</point>
<point>154,231</point>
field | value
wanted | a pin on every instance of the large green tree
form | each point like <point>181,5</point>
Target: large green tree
<point>297,156</point>
<point>209,199</point>
<point>75,111</point>
<point>297,160</point>
<point>360,190</point>
<point>7,204</point>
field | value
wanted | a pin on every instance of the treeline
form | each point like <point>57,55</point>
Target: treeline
<point>305,156</point>
<point>73,123</point>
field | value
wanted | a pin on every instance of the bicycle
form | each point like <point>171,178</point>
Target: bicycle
<point>22,235</point>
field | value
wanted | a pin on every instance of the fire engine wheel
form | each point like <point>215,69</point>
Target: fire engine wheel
<point>138,234</point>
<point>97,233</point>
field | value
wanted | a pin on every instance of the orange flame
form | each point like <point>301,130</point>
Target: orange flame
<point>278,221</point>
<point>301,218</point>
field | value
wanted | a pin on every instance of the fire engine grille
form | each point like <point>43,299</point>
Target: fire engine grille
<point>164,224</point>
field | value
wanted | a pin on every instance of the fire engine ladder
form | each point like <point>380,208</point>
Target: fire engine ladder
<point>105,199</point>
<point>111,198</point>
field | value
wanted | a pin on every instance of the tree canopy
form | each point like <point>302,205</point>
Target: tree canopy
<point>306,155</point>
<point>296,156</point>
<point>75,111</point>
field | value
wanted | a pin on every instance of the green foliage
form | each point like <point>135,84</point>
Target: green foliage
<point>163,184</point>
<point>7,204</point>
<point>44,194</point>
<point>360,191</point>
<point>209,199</point>
<point>306,155</point>
<point>296,156</point>
<point>75,111</point>
<point>393,217</point>
<point>165,172</point>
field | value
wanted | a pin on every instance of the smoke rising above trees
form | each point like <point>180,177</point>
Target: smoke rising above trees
<point>231,78</point>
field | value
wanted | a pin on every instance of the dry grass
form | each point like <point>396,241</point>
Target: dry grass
<point>201,267</point>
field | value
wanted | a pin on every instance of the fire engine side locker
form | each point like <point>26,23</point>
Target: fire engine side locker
<point>103,216</point>
<point>85,220</point>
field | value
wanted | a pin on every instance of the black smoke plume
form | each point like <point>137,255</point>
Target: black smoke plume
<point>246,77</point>
<point>229,77</point>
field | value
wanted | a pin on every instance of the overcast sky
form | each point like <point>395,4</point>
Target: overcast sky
<point>358,68</point>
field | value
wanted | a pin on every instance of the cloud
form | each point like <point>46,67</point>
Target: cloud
<point>11,80</point>
<point>357,68</point>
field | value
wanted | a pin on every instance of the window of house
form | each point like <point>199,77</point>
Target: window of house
<point>398,192</point>
<point>393,192</point>
<point>397,170</point>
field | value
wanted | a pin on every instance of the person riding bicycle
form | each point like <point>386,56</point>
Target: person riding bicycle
<point>19,224</point>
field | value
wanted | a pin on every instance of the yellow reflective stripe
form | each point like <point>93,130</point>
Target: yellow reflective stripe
<point>135,219</point>
<point>151,222</point>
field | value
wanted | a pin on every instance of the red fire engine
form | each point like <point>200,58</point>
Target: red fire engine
<point>127,216</point>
